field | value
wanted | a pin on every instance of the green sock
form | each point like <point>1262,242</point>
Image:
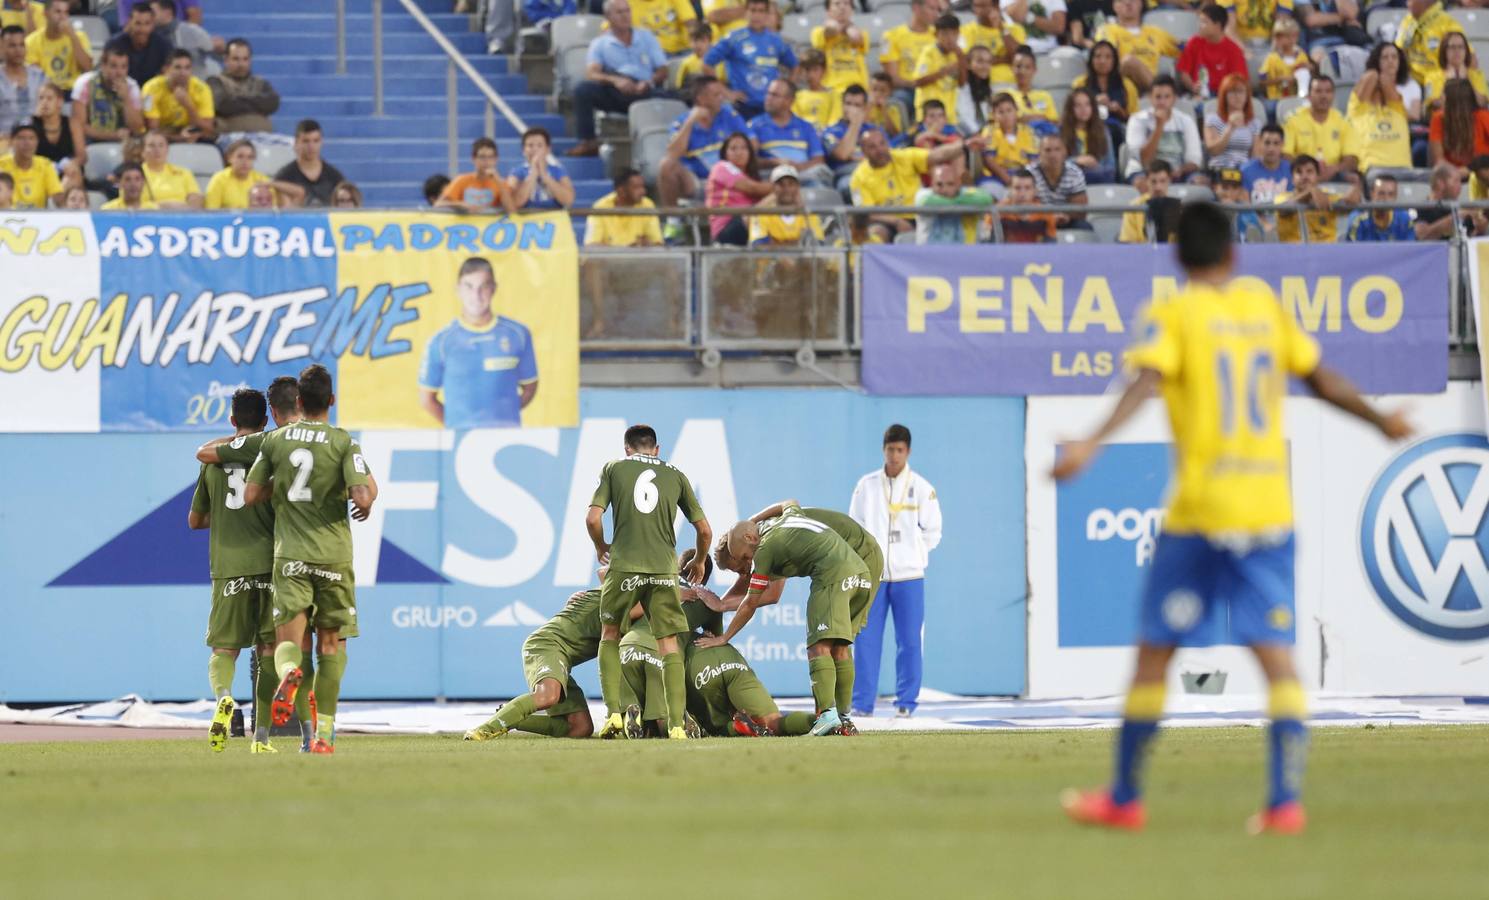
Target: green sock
<point>824,681</point>
<point>844,691</point>
<point>286,657</point>
<point>548,726</point>
<point>611,675</point>
<point>794,724</point>
<point>220,670</point>
<point>675,688</point>
<point>329,668</point>
<point>302,697</point>
<point>512,712</point>
<point>263,697</point>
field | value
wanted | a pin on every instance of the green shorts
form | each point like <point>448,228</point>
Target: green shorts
<point>831,601</point>
<point>642,668</point>
<point>541,660</point>
<point>858,607</point>
<point>657,595</point>
<point>748,695</point>
<point>242,612</point>
<point>325,591</point>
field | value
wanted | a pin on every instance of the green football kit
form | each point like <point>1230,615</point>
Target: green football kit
<point>865,546</point>
<point>241,553</point>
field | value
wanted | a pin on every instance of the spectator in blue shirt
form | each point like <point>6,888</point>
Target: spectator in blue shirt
<point>540,182</point>
<point>781,137</point>
<point>482,363</point>
<point>753,57</point>
<point>624,65</point>
<point>1382,224</point>
<point>697,138</point>
<point>1267,175</point>
<point>841,139</point>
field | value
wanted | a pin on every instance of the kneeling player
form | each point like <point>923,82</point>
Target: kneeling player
<point>642,665</point>
<point>1222,354</point>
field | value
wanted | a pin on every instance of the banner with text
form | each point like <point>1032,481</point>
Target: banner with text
<point>150,322</point>
<point>1054,319</point>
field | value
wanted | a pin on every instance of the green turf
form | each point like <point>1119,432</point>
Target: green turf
<point>1397,812</point>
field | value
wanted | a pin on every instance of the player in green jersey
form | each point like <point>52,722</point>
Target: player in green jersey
<point>242,554</point>
<point>309,469</point>
<point>644,692</point>
<point>863,545</point>
<point>793,545</point>
<point>644,494</point>
<point>284,397</point>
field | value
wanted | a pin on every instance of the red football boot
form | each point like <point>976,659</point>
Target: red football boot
<point>1284,818</point>
<point>283,706</point>
<point>1097,808</point>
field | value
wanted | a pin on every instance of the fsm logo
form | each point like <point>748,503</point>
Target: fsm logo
<point>1424,536</point>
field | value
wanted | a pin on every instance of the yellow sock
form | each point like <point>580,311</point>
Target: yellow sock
<point>1286,700</point>
<point>1145,702</point>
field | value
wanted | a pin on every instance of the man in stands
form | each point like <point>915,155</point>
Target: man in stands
<point>148,52</point>
<point>35,178</point>
<point>243,100</point>
<point>106,102</point>
<point>1057,180</point>
<point>945,194</point>
<point>842,140</point>
<point>891,178</point>
<point>308,180</point>
<point>183,35</point>
<point>903,45</point>
<point>697,137</point>
<point>1435,222</point>
<point>20,84</point>
<point>615,231</point>
<point>1368,225</point>
<point>1268,174</point>
<point>131,191</point>
<point>60,50</point>
<point>624,64</point>
<point>782,138</point>
<point>179,103</point>
<point>1163,132</point>
<point>1318,129</point>
<point>753,57</point>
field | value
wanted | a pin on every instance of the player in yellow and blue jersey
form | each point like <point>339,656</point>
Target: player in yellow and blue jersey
<point>1221,353</point>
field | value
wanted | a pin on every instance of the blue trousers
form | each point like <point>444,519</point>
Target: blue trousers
<point>906,599</point>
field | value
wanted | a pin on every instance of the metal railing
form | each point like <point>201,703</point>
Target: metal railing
<point>458,65</point>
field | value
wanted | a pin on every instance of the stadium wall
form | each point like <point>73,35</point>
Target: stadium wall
<point>1393,591</point>
<point>478,537</point>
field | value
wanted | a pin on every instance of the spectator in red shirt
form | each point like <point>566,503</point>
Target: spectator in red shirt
<point>1212,52</point>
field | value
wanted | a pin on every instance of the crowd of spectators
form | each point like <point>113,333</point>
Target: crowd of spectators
<point>141,94</point>
<point>1241,102</point>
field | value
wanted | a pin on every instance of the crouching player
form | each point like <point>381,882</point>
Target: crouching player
<point>643,668</point>
<point>1221,352</point>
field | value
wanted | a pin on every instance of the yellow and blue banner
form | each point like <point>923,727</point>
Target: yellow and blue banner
<point>150,322</point>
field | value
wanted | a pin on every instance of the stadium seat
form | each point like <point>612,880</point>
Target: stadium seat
<point>647,152</point>
<point>569,69</point>
<point>1058,71</point>
<point>96,199</point>
<point>1108,225</point>
<point>96,30</point>
<point>1258,110</point>
<point>880,22</point>
<point>905,237</point>
<point>1180,23</point>
<point>1380,17</point>
<point>1287,106</point>
<point>1342,91</point>
<point>202,182</point>
<point>1076,236</point>
<point>1416,191</point>
<point>1480,49</point>
<point>573,31</point>
<point>1059,94</point>
<point>879,5</point>
<point>272,158</point>
<point>104,158</point>
<point>812,7</point>
<point>1475,22</point>
<point>821,198</point>
<point>654,115</point>
<point>797,29</point>
<point>201,159</point>
<point>1187,193</point>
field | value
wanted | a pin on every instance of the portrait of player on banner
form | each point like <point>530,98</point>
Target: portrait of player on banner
<point>479,371</point>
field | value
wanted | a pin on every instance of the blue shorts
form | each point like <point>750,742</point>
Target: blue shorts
<point>1200,594</point>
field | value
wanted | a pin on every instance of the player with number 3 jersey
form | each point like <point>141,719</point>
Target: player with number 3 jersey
<point>644,495</point>
<point>1222,353</point>
<point>310,468</point>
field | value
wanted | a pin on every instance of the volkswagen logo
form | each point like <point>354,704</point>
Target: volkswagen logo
<point>1423,536</point>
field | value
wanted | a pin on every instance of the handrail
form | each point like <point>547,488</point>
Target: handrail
<point>463,64</point>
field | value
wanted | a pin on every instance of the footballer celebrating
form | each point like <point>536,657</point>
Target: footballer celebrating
<point>1221,353</point>
<point>644,495</point>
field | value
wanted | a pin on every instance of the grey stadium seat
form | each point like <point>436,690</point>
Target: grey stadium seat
<point>96,199</point>
<point>797,29</point>
<point>1190,192</point>
<point>1287,106</point>
<point>1378,18</point>
<point>96,30</point>
<point>1108,225</point>
<point>1414,191</point>
<point>1058,71</point>
<point>647,154</point>
<point>1475,22</point>
<point>272,158</point>
<point>201,159</point>
<point>569,69</point>
<point>104,158</point>
<point>574,31</point>
<point>654,115</point>
<point>821,198</point>
<point>1076,236</point>
<point>1180,23</point>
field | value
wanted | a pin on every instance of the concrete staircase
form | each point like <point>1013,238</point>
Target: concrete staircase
<point>389,157</point>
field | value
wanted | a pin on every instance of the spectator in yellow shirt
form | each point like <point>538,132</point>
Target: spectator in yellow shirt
<point>168,186</point>
<point>35,178</point>
<point>1037,108</point>
<point>783,230</point>
<point>1135,224</point>
<point>8,190</point>
<point>1279,71</point>
<point>131,191</point>
<point>941,69</point>
<point>892,178</point>
<point>725,16</point>
<point>1421,33</point>
<point>1455,59</point>
<point>882,110</point>
<point>1139,46</point>
<point>990,29</point>
<point>1321,216</point>
<point>667,19</point>
<point>1253,20</point>
<point>815,102</point>
<point>1009,145</point>
<point>616,231</point>
<point>694,66</point>
<point>230,188</point>
<point>1381,131</point>
<point>180,104</point>
<point>903,45</point>
<point>27,15</point>
<point>1478,178</point>
<point>844,45</point>
<point>58,49</point>
<point>1321,131</point>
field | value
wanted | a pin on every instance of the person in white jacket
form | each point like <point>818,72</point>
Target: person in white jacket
<point>899,508</point>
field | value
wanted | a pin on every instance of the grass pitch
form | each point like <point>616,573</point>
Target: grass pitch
<point>1395,812</point>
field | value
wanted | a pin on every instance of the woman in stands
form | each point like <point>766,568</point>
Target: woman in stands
<point>730,183</point>
<point>1380,109</point>
<point>1455,59</point>
<point>1460,130</point>
<point>346,195</point>
<point>168,185</point>
<point>974,99</point>
<point>1231,130</point>
<point>75,197</point>
<point>1086,136</point>
<point>54,135</point>
<point>231,188</point>
<point>1116,96</point>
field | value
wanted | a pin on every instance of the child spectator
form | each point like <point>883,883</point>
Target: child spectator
<point>1025,228</point>
<point>540,182</point>
<point>933,130</point>
<point>844,46</point>
<point>974,98</point>
<point>346,196</point>
<point>1135,224</point>
<point>481,190</point>
<point>693,66</point>
<point>75,197</point>
<point>1322,220</point>
<point>815,102</point>
<point>941,69</point>
<point>170,186</point>
<point>884,111</point>
<point>1011,145</point>
<point>1086,135</point>
<point>8,191</point>
<point>1279,74</point>
<point>1002,38</point>
<point>1037,108</point>
<point>1210,54</point>
<point>1230,189</point>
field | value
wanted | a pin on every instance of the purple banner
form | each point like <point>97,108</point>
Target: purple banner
<point>1054,318</point>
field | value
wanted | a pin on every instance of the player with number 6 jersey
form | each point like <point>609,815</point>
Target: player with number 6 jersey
<point>644,495</point>
<point>310,468</point>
